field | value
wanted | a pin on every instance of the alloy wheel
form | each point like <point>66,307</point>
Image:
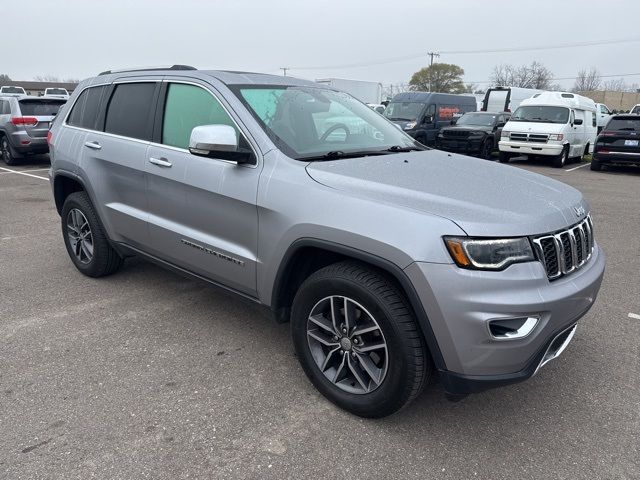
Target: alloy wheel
<point>347,344</point>
<point>80,236</point>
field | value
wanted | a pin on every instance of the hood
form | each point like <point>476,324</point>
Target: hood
<point>467,128</point>
<point>484,198</point>
<point>534,127</point>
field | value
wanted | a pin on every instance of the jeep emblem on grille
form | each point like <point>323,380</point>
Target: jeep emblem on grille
<point>579,211</point>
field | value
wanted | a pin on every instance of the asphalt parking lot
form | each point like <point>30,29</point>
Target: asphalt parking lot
<point>147,375</point>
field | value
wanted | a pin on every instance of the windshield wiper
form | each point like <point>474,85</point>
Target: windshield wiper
<point>333,155</point>
<point>398,149</point>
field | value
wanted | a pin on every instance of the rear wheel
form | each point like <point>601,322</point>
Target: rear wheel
<point>86,242</point>
<point>8,154</point>
<point>561,160</point>
<point>487,149</point>
<point>357,340</point>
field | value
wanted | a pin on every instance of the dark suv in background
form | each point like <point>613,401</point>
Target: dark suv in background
<point>476,133</point>
<point>618,142</point>
<point>24,124</point>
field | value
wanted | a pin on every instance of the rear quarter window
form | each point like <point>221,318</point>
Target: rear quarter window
<point>85,111</point>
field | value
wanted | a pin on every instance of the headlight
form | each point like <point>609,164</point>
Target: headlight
<point>505,134</point>
<point>556,136</point>
<point>489,253</point>
<point>410,125</point>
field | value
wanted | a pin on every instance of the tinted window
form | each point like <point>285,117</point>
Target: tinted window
<point>85,110</point>
<point>594,120</point>
<point>186,107</point>
<point>39,108</point>
<point>12,90</point>
<point>129,108</point>
<point>56,91</point>
<point>541,114</point>
<point>630,124</point>
<point>5,108</point>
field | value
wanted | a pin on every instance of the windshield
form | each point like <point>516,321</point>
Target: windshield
<point>314,121</point>
<point>477,119</point>
<point>12,90</point>
<point>403,110</point>
<point>541,114</point>
<point>40,108</point>
<point>630,124</point>
<point>56,91</point>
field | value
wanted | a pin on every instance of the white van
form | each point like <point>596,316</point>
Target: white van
<point>557,125</point>
<point>602,115</point>
<point>506,99</point>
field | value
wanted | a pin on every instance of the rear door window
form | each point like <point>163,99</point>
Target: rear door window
<point>187,107</point>
<point>128,113</point>
<point>40,108</point>
<point>85,111</point>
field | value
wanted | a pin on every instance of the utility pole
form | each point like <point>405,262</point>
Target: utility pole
<point>431,54</point>
<point>284,70</point>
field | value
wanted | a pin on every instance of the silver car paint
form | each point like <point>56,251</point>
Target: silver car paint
<point>396,207</point>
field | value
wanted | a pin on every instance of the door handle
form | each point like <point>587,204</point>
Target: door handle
<point>93,145</point>
<point>162,162</point>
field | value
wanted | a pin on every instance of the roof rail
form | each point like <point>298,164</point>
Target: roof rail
<point>146,69</point>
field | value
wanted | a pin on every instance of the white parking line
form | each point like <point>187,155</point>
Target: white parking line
<point>575,168</point>
<point>8,170</point>
<point>634,315</point>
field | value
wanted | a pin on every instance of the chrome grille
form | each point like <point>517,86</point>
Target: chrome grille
<point>563,252</point>
<point>529,137</point>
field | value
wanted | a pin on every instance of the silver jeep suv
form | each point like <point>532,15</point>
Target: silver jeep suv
<point>392,261</point>
<point>24,125</point>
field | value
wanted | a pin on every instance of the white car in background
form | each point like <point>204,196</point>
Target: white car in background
<point>554,125</point>
<point>602,115</point>
<point>56,93</point>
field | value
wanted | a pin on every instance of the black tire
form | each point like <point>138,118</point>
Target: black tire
<point>504,157</point>
<point>562,159</point>
<point>487,149</point>
<point>105,260</point>
<point>409,364</point>
<point>596,166</point>
<point>9,155</point>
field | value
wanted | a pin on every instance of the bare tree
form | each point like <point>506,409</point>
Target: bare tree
<point>615,85</point>
<point>46,78</point>
<point>587,80</point>
<point>535,75</point>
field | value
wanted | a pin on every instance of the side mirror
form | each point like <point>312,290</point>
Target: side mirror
<point>218,141</point>
<point>427,119</point>
<point>577,121</point>
<point>500,124</point>
<point>453,121</point>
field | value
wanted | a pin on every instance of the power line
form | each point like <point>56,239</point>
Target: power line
<point>465,52</point>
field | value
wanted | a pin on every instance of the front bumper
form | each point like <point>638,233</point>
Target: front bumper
<point>459,304</point>
<point>530,148</point>
<point>459,146</point>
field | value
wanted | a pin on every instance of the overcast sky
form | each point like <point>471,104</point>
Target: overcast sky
<point>79,38</point>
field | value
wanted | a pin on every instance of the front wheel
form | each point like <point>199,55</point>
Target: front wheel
<point>86,242</point>
<point>504,157</point>
<point>561,160</point>
<point>487,149</point>
<point>357,340</point>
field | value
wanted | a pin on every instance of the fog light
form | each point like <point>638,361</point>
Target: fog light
<point>512,328</point>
